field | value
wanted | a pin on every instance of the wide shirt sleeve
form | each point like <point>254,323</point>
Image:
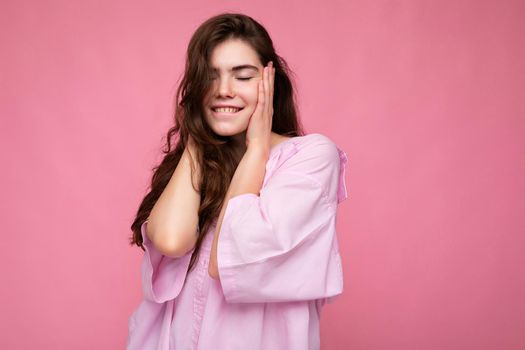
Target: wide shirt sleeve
<point>281,245</point>
<point>162,276</point>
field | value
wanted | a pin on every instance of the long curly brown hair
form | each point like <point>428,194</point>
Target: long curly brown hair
<point>214,153</point>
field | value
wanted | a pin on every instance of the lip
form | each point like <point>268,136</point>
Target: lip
<point>225,114</point>
<point>225,106</point>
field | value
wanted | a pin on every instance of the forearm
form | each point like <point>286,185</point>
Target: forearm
<point>248,178</point>
<point>172,224</point>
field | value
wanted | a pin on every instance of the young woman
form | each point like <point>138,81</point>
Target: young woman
<point>238,230</point>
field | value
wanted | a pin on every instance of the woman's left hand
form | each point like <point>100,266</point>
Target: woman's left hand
<point>259,129</point>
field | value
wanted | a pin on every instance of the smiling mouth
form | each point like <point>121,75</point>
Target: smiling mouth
<point>226,110</point>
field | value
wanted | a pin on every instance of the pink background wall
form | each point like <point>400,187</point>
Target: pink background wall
<point>426,97</point>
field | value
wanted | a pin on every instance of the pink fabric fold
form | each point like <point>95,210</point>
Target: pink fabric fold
<point>278,260</point>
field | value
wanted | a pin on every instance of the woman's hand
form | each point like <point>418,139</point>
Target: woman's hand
<point>259,129</point>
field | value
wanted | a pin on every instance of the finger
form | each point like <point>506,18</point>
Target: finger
<point>270,73</point>
<point>272,85</point>
<point>270,91</point>
<point>262,94</point>
<point>260,99</point>
<point>270,101</point>
<point>267,88</point>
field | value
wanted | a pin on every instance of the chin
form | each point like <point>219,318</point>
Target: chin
<point>228,132</point>
<point>227,129</point>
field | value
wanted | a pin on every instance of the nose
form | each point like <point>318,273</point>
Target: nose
<point>225,89</point>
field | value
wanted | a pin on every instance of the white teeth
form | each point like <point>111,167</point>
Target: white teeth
<point>227,110</point>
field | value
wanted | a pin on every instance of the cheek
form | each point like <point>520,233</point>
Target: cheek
<point>250,94</point>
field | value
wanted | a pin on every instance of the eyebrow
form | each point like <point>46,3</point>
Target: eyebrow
<point>241,67</point>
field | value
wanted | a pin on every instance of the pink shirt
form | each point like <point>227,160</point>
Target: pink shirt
<point>278,262</point>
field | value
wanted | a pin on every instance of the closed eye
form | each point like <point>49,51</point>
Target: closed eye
<point>248,78</point>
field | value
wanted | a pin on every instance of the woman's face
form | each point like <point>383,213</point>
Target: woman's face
<point>236,71</point>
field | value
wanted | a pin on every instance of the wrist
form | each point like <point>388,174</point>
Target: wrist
<point>258,151</point>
